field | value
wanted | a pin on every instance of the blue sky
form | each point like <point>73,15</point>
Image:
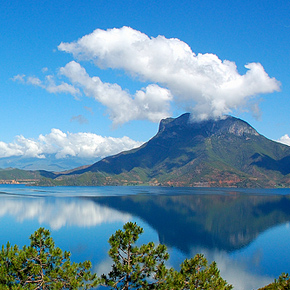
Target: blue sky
<point>64,92</point>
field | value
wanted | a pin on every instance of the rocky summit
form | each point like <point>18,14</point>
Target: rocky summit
<point>215,153</point>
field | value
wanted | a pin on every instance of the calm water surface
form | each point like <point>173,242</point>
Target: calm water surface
<point>245,231</point>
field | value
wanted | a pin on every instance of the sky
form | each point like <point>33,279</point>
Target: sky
<point>93,78</point>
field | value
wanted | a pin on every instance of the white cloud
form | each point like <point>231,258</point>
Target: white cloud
<point>284,140</point>
<point>212,87</point>
<point>34,81</point>
<point>19,78</point>
<point>84,145</point>
<point>48,84</point>
<point>150,103</point>
<point>200,83</point>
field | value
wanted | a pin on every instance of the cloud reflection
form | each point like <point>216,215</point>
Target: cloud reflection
<point>236,272</point>
<point>61,212</point>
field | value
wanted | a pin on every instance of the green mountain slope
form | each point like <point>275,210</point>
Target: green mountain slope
<point>227,152</point>
<point>15,175</point>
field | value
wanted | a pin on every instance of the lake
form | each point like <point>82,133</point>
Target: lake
<point>246,231</point>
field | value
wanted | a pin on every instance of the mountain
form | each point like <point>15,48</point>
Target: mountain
<point>49,163</point>
<point>226,152</point>
<point>19,176</point>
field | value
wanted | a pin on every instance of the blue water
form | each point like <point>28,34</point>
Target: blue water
<point>246,231</point>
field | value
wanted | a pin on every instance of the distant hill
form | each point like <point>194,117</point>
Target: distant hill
<point>16,176</point>
<point>49,163</point>
<point>226,152</point>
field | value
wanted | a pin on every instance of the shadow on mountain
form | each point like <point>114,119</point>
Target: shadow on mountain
<point>47,174</point>
<point>266,162</point>
<point>224,222</point>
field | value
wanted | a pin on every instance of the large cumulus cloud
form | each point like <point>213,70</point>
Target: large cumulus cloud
<point>174,75</point>
<point>83,145</point>
<point>150,103</point>
<point>210,86</point>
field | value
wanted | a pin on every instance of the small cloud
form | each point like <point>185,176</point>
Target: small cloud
<point>49,84</point>
<point>89,109</point>
<point>284,140</point>
<point>80,119</point>
<point>61,88</point>
<point>19,78</point>
<point>34,81</point>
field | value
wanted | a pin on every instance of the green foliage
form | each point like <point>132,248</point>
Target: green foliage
<point>144,267</point>
<point>282,283</point>
<point>196,274</point>
<point>42,266</point>
<point>135,267</point>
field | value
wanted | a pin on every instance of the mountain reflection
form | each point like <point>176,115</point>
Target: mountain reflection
<point>59,212</point>
<point>214,221</point>
<point>224,222</point>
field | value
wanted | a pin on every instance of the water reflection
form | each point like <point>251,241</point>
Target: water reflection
<point>224,222</point>
<point>245,233</point>
<point>60,212</point>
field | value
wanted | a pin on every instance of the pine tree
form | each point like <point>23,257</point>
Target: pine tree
<point>135,267</point>
<point>196,274</point>
<point>144,267</point>
<point>41,265</point>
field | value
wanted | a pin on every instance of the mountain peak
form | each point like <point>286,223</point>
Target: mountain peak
<point>226,124</point>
